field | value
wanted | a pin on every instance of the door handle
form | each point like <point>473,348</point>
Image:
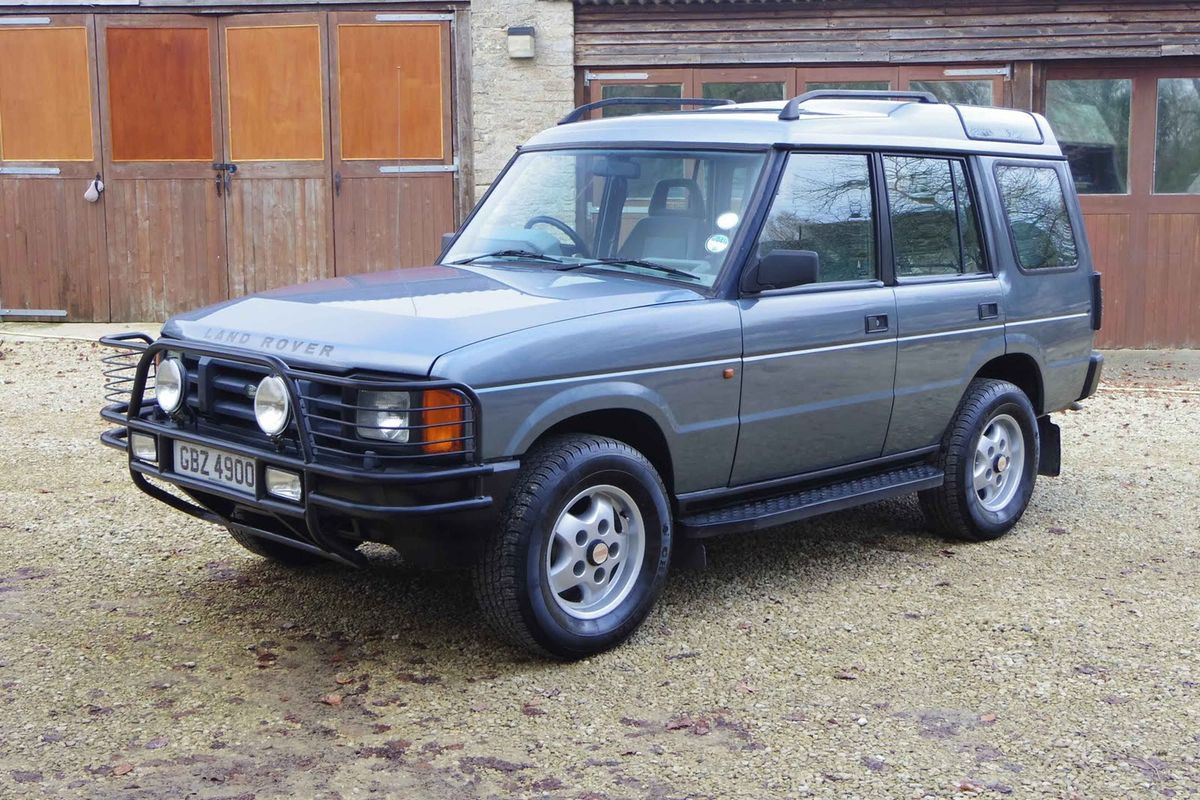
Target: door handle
<point>337,184</point>
<point>989,310</point>
<point>877,323</point>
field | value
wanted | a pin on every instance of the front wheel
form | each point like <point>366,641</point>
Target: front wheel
<point>990,458</point>
<point>582,549</point>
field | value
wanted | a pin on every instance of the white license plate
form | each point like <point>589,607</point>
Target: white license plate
<point>215,466</point>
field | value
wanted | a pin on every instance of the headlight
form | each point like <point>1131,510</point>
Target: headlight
<point>271,405</point>
<point>383,416</point>
<point>169,384</point>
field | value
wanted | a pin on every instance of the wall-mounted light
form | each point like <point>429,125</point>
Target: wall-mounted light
<point>520,42</point>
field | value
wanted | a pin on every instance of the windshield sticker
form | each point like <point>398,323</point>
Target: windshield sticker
<point>728,221</point>
<point>717,243</point>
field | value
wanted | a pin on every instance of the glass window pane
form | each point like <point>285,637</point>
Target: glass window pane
<point>812,86</point>
<point>964,93</point>
<point>1177,141</point>
<point>824,205</point>
<point>1037,216</point>
<point>1090,119</point>
<point>686,224</point>
<point>933,224</point>
<point>637,90</point>
<point>968,221</point>
<point>745,92</point>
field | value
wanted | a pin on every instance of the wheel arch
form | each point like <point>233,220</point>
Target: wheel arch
<point>635,428</point>
<point>630,413</point>
<point>1019,369</point>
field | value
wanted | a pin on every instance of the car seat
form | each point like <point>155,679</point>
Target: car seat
<point>667,231</point>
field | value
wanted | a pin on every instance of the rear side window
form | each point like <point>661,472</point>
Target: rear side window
<point>824,205</point>
<point>935,228</point>
<point>1037,216</point>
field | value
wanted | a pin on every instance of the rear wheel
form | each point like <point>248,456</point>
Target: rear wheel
<point>990,457</point>
<point>273,551</point>
<point>582,549</point>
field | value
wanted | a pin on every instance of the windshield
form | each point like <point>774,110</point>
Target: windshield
<point>668,214</point>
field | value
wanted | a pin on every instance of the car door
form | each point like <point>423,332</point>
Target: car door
<point>819,360</point>
<point>949,307</point>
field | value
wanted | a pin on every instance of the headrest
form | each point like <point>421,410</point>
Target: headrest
<point>662,192</point>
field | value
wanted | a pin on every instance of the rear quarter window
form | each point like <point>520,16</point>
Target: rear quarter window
<point>1038,220</point>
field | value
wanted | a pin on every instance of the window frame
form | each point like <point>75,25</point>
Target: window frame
<point>1058,167</point>
<point>883,251</point>
<point>989,270</point>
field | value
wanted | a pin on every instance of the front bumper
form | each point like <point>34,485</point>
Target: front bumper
<point>340,505</point>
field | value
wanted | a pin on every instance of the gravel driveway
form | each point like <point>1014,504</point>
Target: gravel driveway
<point>143,654</point>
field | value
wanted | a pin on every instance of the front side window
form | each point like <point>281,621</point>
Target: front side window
<point>1037,216</point>
<point>935,229</point>
<point>824,205</point>
<point>668,214</point>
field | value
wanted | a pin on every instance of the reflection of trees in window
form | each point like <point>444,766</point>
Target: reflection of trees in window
<point>1090,119</point>
<point>933,224</point>
<point>963,93</point>
<point>745,92</point>
<point>638,90</point>
<point>824,205</point>
<point>1177,146</point>
<point>1037,215</point>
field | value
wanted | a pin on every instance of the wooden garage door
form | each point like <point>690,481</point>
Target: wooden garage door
<point>393,161</point>
<point>1131,131</point>
<point>278,211</point>
<point>162,132</point>
<point>52,250</point>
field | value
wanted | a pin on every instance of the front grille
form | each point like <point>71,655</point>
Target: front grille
<point>221,384</point>
<point>221,397</point>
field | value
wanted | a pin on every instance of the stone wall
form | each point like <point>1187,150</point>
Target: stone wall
<point>511,98</point>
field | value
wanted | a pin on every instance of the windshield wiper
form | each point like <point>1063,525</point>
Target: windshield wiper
<point>631,262</point>
<point>526,254</point>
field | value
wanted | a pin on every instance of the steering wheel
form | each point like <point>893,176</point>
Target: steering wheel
<point>581,247</point>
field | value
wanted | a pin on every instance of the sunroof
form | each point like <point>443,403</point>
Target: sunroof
<point>1000,124</point>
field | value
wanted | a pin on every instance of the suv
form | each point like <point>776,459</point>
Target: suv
<point>654,328</point>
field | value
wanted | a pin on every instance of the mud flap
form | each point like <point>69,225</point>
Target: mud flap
<point>1050,460</point>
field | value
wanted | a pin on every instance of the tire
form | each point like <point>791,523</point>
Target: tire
<point>273,551</point>
<point>962,508</point>
<point>528,580</point>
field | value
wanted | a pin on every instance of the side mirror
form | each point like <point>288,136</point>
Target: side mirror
<point>783,269</point>
<point>447,238</point>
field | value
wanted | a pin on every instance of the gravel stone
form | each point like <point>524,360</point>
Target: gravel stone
<point>143,654</point>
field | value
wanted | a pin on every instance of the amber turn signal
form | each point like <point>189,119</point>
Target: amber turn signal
<point>444,417</point>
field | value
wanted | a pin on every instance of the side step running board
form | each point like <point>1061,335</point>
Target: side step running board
<point>779,510</point>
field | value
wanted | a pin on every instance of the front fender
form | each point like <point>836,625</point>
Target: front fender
<point>602,396</point>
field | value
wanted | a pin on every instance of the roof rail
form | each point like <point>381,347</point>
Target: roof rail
<point>675,102</point>
<point>792,110</point>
